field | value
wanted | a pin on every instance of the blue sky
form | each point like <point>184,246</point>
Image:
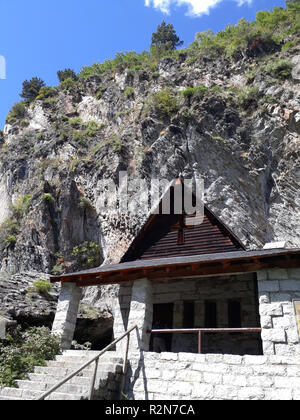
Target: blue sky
<point>39,37</point>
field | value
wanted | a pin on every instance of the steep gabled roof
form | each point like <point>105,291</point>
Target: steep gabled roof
<point>165,236</point>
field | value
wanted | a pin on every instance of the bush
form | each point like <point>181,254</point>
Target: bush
<point>11,240</point>
<point>42,286</point>
<point>17,112</point>
<point>87,255</point>
<point>128,92</point>
<point>46,92</point>
<point>248,97</point>
<point>21,206</point>
<point>66,74</point>
<point>48,198</point>
<point>279,69</point>
<point>164,104</point>
<point>76,122</point>
<point>79,137</point>
<point>68,84</point>
<point>199,92</point>
<point>21,351</point>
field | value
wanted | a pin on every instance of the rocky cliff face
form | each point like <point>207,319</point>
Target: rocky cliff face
<point>235,123</point>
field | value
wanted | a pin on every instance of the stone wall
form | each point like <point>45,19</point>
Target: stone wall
<point>185,376</point>
<point>277,290</point>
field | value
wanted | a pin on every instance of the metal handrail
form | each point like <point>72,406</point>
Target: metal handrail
<point>96,360</point>
<point>201,331</point>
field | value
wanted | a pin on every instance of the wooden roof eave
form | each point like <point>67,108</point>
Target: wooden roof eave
<point>245,262</point>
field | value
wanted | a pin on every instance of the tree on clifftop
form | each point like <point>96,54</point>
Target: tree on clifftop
<point>166,37</point>
<point>31,88</point>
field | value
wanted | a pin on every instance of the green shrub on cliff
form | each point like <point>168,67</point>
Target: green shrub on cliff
<point>279,69</point>
<point>87,254</point>
<point>17,112</point>
<point>163,103</point>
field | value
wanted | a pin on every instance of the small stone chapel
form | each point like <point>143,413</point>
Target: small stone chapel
<point>196,277</point>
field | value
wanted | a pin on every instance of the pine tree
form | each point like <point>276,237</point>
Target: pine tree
<point>166,37</point>
<point>31,88</point>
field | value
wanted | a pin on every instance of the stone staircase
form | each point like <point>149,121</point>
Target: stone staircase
<point>107,384</point>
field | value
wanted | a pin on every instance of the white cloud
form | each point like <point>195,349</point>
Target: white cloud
<point>195,7</point>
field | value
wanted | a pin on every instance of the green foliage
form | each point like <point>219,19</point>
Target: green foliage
<point>117,143</point>
<point>17,112</point>
<point>31,88</point>
<point>129,60</point>
<point>67,84</point>
<point>57,270</point>
<point>79,137</point>
<point>11,240</point>
<point>199,92</point>
<point>10,228</point>
<point>48,198</point>
<point>87,255</point>
<point>24,123</point>
<point>166,37</point>
<point>85,203</point>
<point>21,351</point>
<point>21,206</point>
<point>92,127</point>
<point>87,310</point>
<point>128,92</point>
<point>253,38</point>
<point>279,69</point>
<point>46,92</point>
<point>42,286</point>
<point>247,97</point>
<point>164,104</point>
<point>288,46</point>
<point>66,74</point>
<point>76,122</point>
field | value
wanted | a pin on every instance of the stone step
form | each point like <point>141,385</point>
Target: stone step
<point>45,377</point>
<point>51,379</point>
<point>11,392</point>
<point>89,353</point>
<point>32,394</point>
<point>81,360</point>
<point>75,366</point>
<point>61,372</point>
<point>44,386</point>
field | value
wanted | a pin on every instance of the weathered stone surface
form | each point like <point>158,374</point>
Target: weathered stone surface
<point>249,378</point>
<point>66,314</point>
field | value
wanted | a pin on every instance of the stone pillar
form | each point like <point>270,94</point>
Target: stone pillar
<point>277,288</point>
<point>3,323</point>
<point>141,313</point>
<point>66,314</point>
<point>121,314</point>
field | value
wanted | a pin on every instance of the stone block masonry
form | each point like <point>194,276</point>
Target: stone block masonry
<point>187,376</point>
<point>66,314</point>
<point>277,289</point>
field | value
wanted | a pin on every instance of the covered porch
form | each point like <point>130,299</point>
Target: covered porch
<point>239,289</point>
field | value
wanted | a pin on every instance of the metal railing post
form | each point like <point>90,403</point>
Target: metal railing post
<point>125,365</point>
<point>93,380</point>
<point>199,342</point>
